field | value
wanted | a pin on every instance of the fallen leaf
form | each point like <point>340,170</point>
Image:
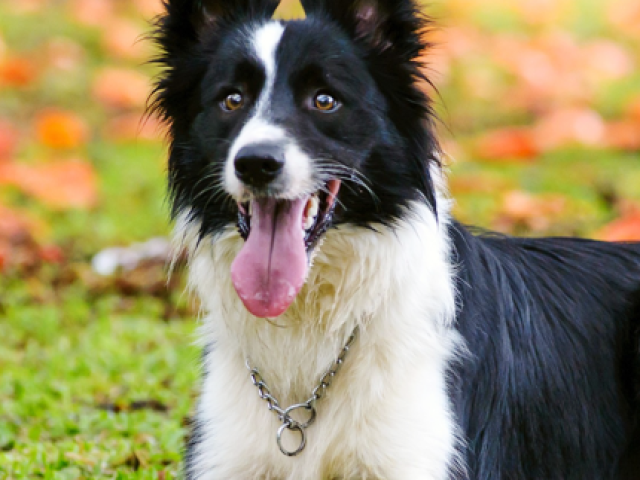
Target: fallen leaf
<point>542,12</point>
<point>17,72</point>
<point>507,145</point>
<point>523,210</point>
<point>8,139</point>
<point>61,129</point>
<point>154,405</point>
<point>625,16</point>
<point>62,185</point>
<point>94,13</point>
<point>149,8</point>
<point>607,60</point>
<point>18,249</point>
<point>569,126</point>
<point>149,278</point>
<point>623,135</point>
<point>13,224</point>
<point>136,460</point>
<point>65,54</point>
<point>633,109</point>
<point>118,407</point>
<point>624,229</point>
<point>5,254</point>
<point>121,88</point>
<point>548,68</point>
<point>124,39</point>
<point>51,254</point>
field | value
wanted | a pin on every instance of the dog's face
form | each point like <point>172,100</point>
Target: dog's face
<point>287,129</point>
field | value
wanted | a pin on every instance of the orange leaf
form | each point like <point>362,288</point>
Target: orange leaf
<point>624,135</point>
<point>633,110</point>
<point>5,254</point>
<point>51,254</point>
<point>8,139</point>
<point>533,212</point>
<point>508,144</point>
<point>62,185</point>
<point>59,129</point>
<point>121,88</point>
<point>13,224</point>
<point>608,60</point>
<point>65,54</point>
<point>624,229</point>
<point>17,72</point>
<point>149,8</point>
<point>569,126</point>
<point>92,12</point>
<point>18,248</point>
<point>123,39</point>
<point>625,15</point>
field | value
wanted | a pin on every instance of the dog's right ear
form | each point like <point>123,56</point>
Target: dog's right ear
<point>380,24</point>
<point>187,20</point>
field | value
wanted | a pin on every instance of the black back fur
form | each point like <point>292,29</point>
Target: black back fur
<point>550,388</point>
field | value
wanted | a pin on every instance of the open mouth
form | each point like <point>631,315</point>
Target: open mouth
<point>280,236</point>
<point>316,218</point>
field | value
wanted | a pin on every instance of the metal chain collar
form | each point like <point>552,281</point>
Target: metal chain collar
<point>284,414</point>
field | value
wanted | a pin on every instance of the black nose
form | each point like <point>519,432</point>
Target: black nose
<point>259,165</point>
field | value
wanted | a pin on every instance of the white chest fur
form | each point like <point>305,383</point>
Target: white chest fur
<point>387,414</point>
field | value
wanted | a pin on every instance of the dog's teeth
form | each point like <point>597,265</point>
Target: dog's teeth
<point>250,208</point>
<point>309,222</point>
<point>313,207</point>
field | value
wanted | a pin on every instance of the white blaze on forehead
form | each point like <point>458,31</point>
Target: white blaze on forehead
<point>260,128</point>
<point>265,43</point>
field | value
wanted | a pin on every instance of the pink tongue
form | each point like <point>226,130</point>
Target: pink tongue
<point>272,266</point>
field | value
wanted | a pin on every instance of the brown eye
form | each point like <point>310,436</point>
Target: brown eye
<point>233,102</point>
<point>326,103</point>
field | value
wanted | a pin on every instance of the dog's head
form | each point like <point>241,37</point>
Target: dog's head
<point>287,129</point>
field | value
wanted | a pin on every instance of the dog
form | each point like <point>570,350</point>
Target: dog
<point>353,329</point>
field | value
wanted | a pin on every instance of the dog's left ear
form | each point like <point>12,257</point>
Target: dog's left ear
<point>381,24</point>
<point>214,9</point>
<point>184,21</point>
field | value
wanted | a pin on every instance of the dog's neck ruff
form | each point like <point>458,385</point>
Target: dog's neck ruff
<point>284,414</point>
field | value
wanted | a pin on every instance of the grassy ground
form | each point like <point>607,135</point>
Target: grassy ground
<point>96,383</point>
<point>98,376</point>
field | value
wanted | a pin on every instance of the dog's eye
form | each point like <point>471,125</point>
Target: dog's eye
<point>233,102</point>
<point>326,103</point>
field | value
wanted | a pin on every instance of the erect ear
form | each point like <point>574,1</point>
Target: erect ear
<point>383,24</point>
<point>211,10</point>
<point>185,20</point>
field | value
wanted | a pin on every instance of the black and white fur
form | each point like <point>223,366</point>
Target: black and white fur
<point>479,356</point>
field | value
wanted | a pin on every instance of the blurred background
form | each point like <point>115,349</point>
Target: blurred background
<point>540,109</point>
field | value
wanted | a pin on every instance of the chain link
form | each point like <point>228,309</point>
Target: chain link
<point>284,414</point>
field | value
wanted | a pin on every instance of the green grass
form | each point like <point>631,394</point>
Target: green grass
<point>63,362</point>
<point>69,350</point>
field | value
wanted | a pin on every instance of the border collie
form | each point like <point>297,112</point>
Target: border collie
<point>383,340</point>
